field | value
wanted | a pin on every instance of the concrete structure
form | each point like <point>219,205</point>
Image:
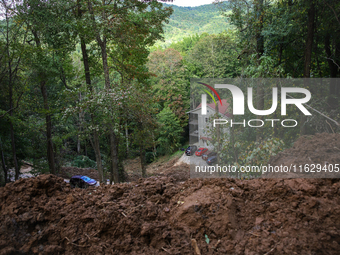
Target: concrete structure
<point>200,126</point>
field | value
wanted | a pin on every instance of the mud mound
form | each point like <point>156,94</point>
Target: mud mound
<point>317,149</point>
<point>157,215</point>
<point>172,168</point>
<point>322,149</point>
<point>178,173</point>
<point>68,172</point>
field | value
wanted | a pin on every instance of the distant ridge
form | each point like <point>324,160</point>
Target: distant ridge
<point>187,21</point>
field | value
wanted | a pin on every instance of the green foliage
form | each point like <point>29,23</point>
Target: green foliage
<point>214,56</point>
<point>40,166</point>
<point>189,21</point>
<point>170,130</point>
<point>250,153</point>
<point>257,154</point>
<point>83,162</point>
<point>185,45</point>
<point>266,68</point>
<point>149,157</point>
<point>170,86</point>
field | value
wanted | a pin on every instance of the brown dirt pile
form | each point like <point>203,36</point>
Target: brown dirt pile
<point>312,149</point>
<point>43,215</point>
<point>68,172</point>
<point>312,156</point>
<point>163,167</point>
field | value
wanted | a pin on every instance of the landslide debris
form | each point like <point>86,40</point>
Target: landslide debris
<point>159,215</point>
<point>309,149</point>
<point>311,156</point>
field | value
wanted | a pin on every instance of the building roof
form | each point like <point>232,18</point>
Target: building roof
<point>223,109</point>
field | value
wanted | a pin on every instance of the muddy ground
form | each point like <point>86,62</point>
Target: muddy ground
<point>170,214</point>
<point>321,150</point>
<point>312,149</point>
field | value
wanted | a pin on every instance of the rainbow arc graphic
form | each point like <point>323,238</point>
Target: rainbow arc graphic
<point>209,93</point>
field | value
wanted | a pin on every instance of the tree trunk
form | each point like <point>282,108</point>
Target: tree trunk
<point>102,44</point>
<point>232,139</point>
<point>333,69</point>
<point>81,114</point>
<point>114,156</point>
<point>10,85</point>
<point>96,148</point>
<point>259,28</point>
<point>14,154</point>
<point>308,57</point>
<point>50,154</point>
<point>16,166</point>
<point>259,51</point>
<point>142,159</point>
<point>127,139</point>
<point>3,162</point>
<point>113,138</point>
<point>309,40</point>
<point>154,147</point>
<point>95,143</point>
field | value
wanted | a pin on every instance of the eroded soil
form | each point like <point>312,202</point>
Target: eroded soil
<point>168,213</point>
<point>158,215</point>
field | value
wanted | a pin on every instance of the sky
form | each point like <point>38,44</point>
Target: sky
<point>191,3</point>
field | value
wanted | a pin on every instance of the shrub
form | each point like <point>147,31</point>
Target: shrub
<point>149,157</point>
<point>83,162</point>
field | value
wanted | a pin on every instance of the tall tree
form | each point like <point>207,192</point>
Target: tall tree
<point>169,83</point>
<point>11,57</point>
<point>133,23</point>
<point>48,23</point>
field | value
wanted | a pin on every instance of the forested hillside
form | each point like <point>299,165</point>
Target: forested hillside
<point>187,21</point>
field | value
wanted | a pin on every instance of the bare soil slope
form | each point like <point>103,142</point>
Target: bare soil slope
<point>168,213</point>
<point>312,156</point>
<point>312,149</point>
<point>43,215</point>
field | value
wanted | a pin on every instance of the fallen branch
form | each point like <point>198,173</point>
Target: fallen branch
<point>330,126</point>
<point>253,234</point>
<point>165,250</point>
<point>28,164</point>
<point>270,250</point>
<point>195,246</point>
<point>319,113</point>
<point>69,242</point>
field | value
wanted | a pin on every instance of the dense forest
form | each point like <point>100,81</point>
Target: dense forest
<point>91,83</point>
<point>189,21</point>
